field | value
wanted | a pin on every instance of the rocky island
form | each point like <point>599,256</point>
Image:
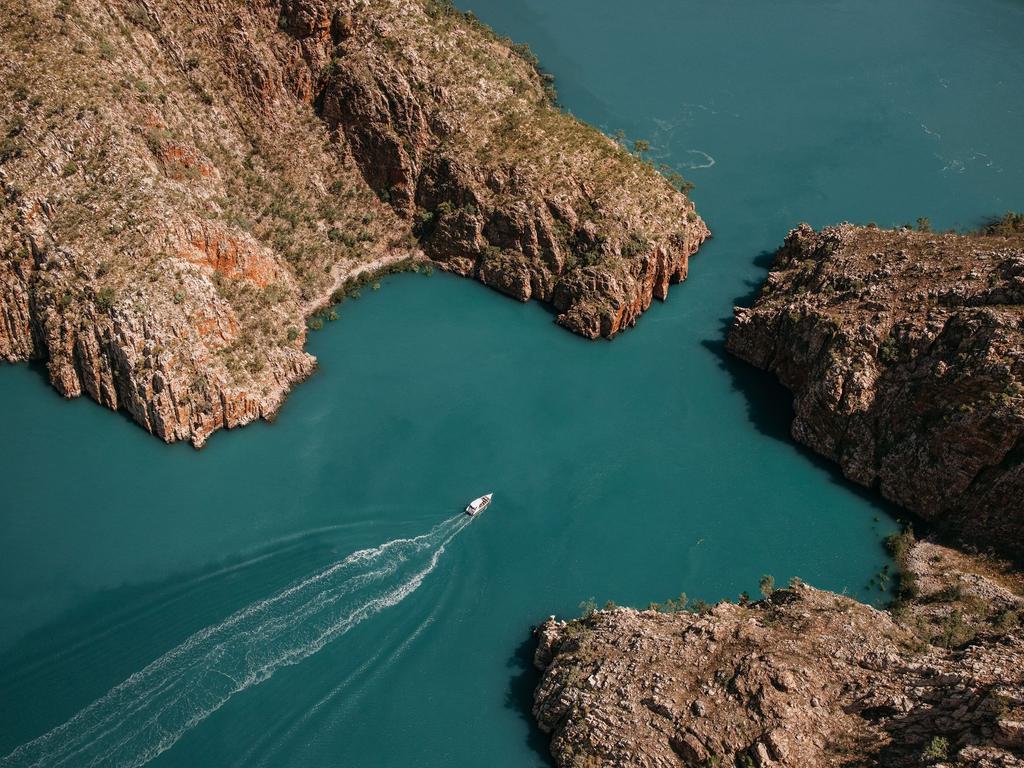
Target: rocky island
<point>184,184</point>
<point>903,350</point>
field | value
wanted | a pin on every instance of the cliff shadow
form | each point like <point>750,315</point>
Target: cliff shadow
<point>770,404</point>
<point>763,261</point>
<point>523,682</point>
<point>37,367</point>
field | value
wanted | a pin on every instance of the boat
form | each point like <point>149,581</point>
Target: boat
<point>476,506</point>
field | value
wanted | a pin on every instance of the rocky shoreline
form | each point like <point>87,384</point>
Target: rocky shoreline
<point>179,196</point>
<point>903,351</point>
<point>803,678</point>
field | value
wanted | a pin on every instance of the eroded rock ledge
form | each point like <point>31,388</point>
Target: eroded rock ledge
<point>904,351</point>
<point>183,183</point>
<point>806,679</point>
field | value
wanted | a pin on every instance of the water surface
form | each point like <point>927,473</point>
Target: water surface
<point>208,604</point>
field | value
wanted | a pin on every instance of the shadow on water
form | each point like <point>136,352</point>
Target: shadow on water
<point>523,680</point>
<point>770,410</point>
<point>38,367</point>
<point>762,261</point>
<point>770,403</point>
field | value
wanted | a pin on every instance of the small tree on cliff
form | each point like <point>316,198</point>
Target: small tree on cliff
<point>640,146</point>
<point>767,585</point>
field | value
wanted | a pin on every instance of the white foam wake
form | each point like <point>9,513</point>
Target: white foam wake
<point>147,713</point>
<point>709,161</point>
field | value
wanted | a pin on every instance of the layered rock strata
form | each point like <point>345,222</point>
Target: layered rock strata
<point>499,183</point>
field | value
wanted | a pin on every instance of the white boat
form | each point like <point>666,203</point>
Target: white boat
<point>476,506</point>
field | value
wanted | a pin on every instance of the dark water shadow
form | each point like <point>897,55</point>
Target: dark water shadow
<point>38,367</point>
<point>770,404</point>
<point>770,410</point>
<point>523,681</point>
<point>762,261</point>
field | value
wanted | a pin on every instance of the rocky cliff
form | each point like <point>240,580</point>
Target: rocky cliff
<point>499,184</point>
<point>183,183</point>
<point>804,679</point>
<point>904,351</point>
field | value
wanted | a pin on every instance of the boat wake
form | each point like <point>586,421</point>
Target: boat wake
<point>147,713</point>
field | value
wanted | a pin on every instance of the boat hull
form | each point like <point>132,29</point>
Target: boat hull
<point>477,506</point>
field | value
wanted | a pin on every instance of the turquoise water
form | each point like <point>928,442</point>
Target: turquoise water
<point>206,608</point>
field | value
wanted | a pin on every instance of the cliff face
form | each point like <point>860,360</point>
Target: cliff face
<point>499,184</point>
<point>903,351</point>
<point>172,208</point>
<point>184,183</point>
<point>805,679</point>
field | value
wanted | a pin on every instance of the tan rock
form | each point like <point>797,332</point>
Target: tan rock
<point>905,355</point>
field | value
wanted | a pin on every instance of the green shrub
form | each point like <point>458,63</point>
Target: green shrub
<point>105,298</point>
<point>635,245</point>
<point>899,544</point>
<point>887,351</point>
<point>675,606</point>
<point>10,149</point>
<point>937,749</point>
<point>701,606</point>
<point>588,608</point>
<point>1006,225</point>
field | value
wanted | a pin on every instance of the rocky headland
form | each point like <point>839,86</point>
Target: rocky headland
<point>904,351</point>
<point>185,183</point>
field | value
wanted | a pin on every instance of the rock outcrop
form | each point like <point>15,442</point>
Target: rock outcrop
<point>499,184</point>
<point>183,183</point>
<point>804,679</point>
<point>904,351</point>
